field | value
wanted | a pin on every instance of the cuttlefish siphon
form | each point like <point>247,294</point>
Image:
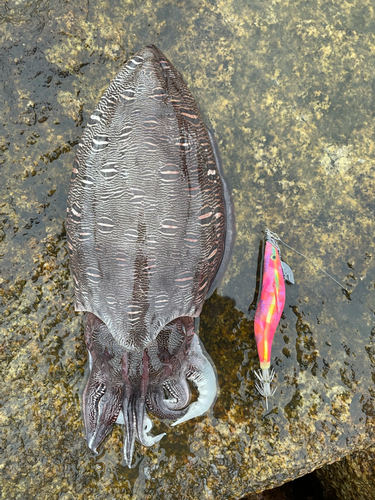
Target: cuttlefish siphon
<point>150,230</point>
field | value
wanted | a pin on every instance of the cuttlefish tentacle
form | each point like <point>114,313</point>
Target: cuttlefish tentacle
<point>137,423</point>
<point>203,376</point>
<point>179,391</point>
<point>162,407</point>
<point>128,412</point>
<point>142,421</point>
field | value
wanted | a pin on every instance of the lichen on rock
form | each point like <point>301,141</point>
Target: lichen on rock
<point>288,89</point>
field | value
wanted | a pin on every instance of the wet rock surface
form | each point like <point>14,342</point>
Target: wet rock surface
<point>288,89</point>
<point>307,487</point>
<point>351,478</point>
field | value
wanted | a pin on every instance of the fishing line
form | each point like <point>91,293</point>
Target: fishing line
<point>277,237</point>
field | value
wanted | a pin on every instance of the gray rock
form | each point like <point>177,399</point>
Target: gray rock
<point>288,89</point>
<point>352,477</point>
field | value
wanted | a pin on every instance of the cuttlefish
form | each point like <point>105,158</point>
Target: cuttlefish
<point>150,230</point>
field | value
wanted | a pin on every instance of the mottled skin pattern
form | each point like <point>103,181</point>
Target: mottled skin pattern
<point>104,392</point>
<point>149,226</point>
<point>146,216</point>
<point>128,381</point>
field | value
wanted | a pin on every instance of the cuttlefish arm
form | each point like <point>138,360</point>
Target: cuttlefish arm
<point>137,423</point>
<point>123,385</point>
<point>183,362</point>
<point>103,394</point>
<point>201,373</point>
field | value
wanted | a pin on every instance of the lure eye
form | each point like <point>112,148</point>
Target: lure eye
<point>273,257</point>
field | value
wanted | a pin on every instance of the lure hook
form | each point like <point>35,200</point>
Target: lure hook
<point>265,378</point>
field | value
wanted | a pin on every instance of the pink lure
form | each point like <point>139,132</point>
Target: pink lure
<point>269,310</point>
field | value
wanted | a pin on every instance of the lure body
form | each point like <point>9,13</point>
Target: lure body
<point>270,305</point>
<point>269,310</point>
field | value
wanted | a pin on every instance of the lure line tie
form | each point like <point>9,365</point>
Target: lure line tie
<point>277,238</point>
